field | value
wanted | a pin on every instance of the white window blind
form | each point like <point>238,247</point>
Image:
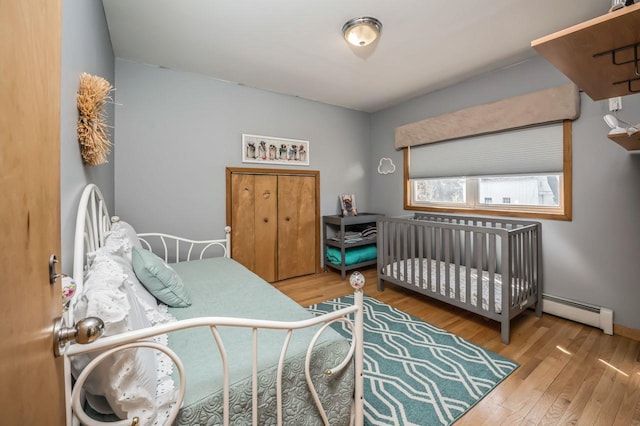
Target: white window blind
<point>536,149</point>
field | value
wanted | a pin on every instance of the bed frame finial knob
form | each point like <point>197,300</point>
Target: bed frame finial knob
<point>357,281</point>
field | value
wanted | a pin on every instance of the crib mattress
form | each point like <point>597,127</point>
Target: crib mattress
<point>223,287</point>
<point>397,270</point>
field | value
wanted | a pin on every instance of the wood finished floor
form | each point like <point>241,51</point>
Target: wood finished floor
<point>569,373</point>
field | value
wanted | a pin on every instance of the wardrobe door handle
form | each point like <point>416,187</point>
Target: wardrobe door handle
<point>266,219</point>
<point>287,218</point>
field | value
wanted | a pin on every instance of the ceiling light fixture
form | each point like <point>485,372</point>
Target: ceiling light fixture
<point>362,31</point>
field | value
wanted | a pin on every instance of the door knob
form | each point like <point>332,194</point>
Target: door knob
<point>84,331</point>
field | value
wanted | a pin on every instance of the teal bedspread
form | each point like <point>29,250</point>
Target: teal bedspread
<point>223,287</point>
<point>352,255</point>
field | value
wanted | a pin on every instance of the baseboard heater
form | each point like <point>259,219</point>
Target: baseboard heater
<point>595,316</point>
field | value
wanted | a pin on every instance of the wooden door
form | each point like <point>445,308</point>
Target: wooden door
<point>297,225</point>
<point>253,222</point>
<point>266,227</point>
<point>31,385</point>
<point>242,200</point>
<point>274,219</point>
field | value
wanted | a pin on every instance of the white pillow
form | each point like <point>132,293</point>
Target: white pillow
<point>127,379</point>
<point>118,244</point>
<point>130,233</point>
<point>146,299</point>
<point>134,391</point>
<point>103,295</point>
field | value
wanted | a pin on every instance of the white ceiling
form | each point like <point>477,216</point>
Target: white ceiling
<point>295,47</point>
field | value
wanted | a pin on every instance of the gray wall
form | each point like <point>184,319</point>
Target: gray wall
<point>86,47</point>
<point>593,258</point>
<point>177,132</point>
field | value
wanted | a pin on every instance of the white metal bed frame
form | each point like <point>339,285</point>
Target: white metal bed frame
<point>93,223</point>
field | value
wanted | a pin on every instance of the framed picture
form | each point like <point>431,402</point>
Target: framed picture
<point>272,150</point>
<point>348,205</point>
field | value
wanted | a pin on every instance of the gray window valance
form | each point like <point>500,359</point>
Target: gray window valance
<point>545,106</point>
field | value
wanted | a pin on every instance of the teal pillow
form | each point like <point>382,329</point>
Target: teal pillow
<point>159,278</point>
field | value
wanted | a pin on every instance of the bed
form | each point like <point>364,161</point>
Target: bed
<point>222,346</point>
<point>488,266</point>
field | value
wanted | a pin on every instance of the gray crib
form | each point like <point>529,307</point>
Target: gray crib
<point>489,266</point>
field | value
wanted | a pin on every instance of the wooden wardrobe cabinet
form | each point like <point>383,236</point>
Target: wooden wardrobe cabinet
<point>275,222</point>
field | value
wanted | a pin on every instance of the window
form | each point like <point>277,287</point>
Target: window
<point>515,173</point>
<point>448,191</point>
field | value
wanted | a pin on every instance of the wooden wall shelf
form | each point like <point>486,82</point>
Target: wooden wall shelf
<point>586,53</point>
<point>630,143</point>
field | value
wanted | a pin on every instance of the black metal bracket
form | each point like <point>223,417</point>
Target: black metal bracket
<point>616,61</point>
<point>614,52</point>
<point>629,84</point>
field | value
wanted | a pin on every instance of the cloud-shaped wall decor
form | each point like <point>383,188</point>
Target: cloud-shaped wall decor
<point>386,166</point>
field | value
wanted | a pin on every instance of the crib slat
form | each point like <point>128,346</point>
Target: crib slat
<point>518,271</point>
<point>447,261</point>
<point>521,268</point>
<point>438,242</point>
<point>511,258</point>
<point>398,240</point>
<point>392,248</point>
<point>515,278</point>
<point>484,251</point>
<point>467,261</point>
<point>457,248</point>
<point>398,253</point>
<point>408,253</point>
<point>391,245</point>
<point>419,262</point>
<point>413,251</point>
<point>429,244</point>
<point>530,259</point>
<point>491,270</point>
<point>382,250</point>
<point>525,265</point>
<point>389,248</point>
<point>479,249</point>
<point>403,252</point>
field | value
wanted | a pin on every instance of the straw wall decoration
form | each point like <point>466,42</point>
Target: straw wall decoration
<point>93,136</point>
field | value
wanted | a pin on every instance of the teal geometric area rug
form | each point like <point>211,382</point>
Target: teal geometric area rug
<point>415,373</point>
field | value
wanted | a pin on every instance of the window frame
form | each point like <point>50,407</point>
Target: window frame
<point>563,212</point>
